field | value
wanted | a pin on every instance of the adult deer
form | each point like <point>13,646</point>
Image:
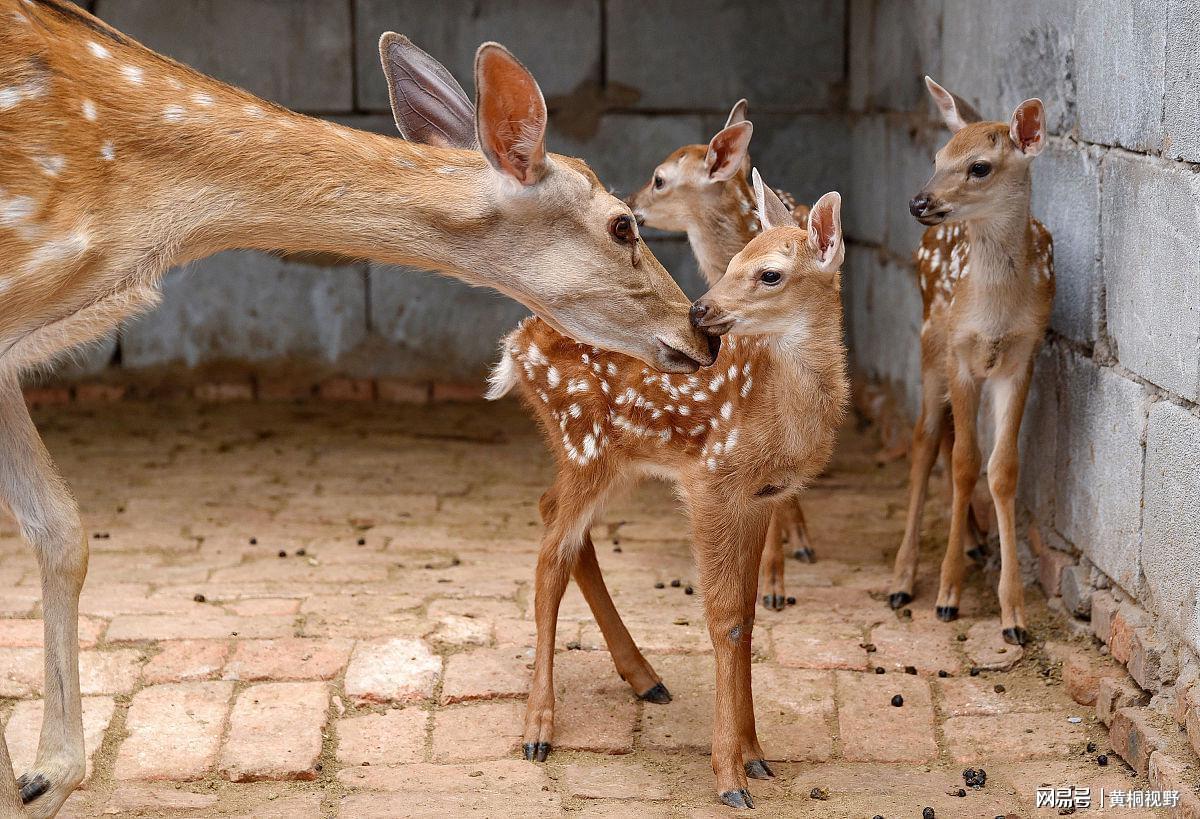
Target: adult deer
<point>116,163</point>
<point>609,420</point>
<point>986,270</point>
<point>703,191</point>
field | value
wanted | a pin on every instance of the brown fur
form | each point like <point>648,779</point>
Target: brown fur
<point>719,218</point>
<point>987,280</point>
<point>608,420</point>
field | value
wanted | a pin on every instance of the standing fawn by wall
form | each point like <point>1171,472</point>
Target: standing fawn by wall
<point>987,279</point>
<point>702,190</point>
<point>116,163</point>
<point>608,420</point>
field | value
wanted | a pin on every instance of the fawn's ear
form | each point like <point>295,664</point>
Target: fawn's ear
<point>510,116</point>
<point>772,213</point>
<point>1028,127</point>
<point>739,113</point>
<point>727,151</point>
<point>428,103</point>
<point>825,231</point>
<point>956,112</point>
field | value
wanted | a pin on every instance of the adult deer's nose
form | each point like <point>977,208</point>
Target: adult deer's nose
<point>919,204</point>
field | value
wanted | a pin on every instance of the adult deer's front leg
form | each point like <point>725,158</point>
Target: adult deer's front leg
<point>49,520</point>
<point>964,402</point>
<point>728,546</point>
<point>1003,470</point>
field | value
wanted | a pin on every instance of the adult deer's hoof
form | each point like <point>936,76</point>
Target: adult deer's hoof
<point>947,613</point>
<point>536,751</point>
<point>738,799</point>
<point>759,769</point>
<point>1016,636</point>
<point>32,786</point>
<point>659,695</point>
<point>899,600</point>
<point>805,555</point>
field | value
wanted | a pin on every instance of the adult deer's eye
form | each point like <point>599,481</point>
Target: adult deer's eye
<point>621,229</point>
<point>658,181</point>
<point>771,277</point>
<point>979,169</point>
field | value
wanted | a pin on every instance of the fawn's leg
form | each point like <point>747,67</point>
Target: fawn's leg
<point>797,532</point>
<point>753,758</point>
<point>964,402</point>
<point>568,508</point>
<point>10,797</point>
<point>1003,470</point>
<point>927,437</point>
<point>974,539</point>
<point>728,540</point>
<point>631,665</point>
<point>49,520</point>
<point>770,580</point>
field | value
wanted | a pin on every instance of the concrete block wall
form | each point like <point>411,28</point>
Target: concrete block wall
<point>627,83</point>
<point>1111,439</point>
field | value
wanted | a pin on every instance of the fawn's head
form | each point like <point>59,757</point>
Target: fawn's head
<point>547,231</point>
<point>985,165</point>
<point>694,174</point>
<point>784,276</point>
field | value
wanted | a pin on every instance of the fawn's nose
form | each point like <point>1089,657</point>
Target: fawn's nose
<point>919,204</point>
<point>698,313</point>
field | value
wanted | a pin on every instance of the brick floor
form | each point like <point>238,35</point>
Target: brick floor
<point>379,667</point>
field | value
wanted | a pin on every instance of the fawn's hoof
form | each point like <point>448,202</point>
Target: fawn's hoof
<point>759,769</point>
<point>659,695</point>
<point>978,554</point>
<point>32,786</point>
<point>805,555</point>
<point>774,602</point>
<point>536,751</point>
<point>738,799</point>
<point>899,600</point>
<point>947,613</point>
<point>1016,636</point>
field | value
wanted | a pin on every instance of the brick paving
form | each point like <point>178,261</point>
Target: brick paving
<point>323,609</point>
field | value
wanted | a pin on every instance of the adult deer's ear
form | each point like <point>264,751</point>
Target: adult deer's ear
<point>739,113</point>
<point>510,115</point>
<point>825,231</point>
<point>428,103</point>
<point>727,151</point>
<point>956,112</point>
<point>1028,127</point>
<point>772,213</point>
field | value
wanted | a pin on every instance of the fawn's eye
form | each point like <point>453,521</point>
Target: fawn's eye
<point>621,229</point>
<point>979,169</point>
<point>658,181</point>
<point>771,277</point>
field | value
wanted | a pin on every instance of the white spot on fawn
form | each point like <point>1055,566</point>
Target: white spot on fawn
<point>173,113</point>
<point>108,151</point>
<point>89,110</point>
<point>727,410</point>
<point>98,50</point>
<point>51,165</point>
<point>133,73</point>
<point>203,100</point>
<point>254,111</point>
<point>15,210</point>
<point>552,377</point>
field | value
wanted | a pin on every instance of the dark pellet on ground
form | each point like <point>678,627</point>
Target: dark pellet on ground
<point>961,793</point>
<point>1091,747</point>
<point>974,777</point>
<point>791,601</point>
<point>1102,760</point>
<point>301,552</point>
<point>962,638</point>
<point>897,701</point>
<point>319,766</point>
<point>687,589</point>
<point>199,598</point>
<point>974,671</point>
<point>998,688</point>
<point>362,541</point>
<point>868,647</point>
<point>820,794</point>
<point>942,673</point>
<point>617,549</point>
<point>910,669</point>
<point>906,614</point>
<point>660,585</point>
<point>282,553</point>
<point>574,645</point>
<point>877,816</point>
<point>676,583</point>
<point>100,536</point>
<point>879,669</point>
<point>253,541</point>
<point>928,814</point>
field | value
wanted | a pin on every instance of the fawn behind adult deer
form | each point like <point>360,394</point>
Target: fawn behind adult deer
<point>608,420</point>
<point>986,271</point>
<point>705,192</point>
